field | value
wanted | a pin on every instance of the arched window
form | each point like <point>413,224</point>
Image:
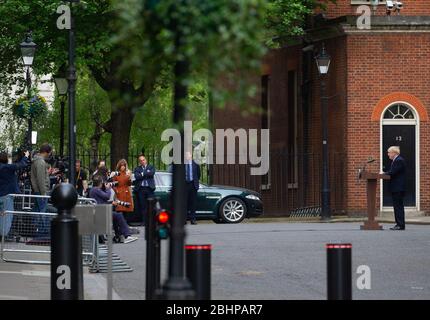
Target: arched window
<point>399,111</point>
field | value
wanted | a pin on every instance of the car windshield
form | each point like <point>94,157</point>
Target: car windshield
<point>164,179</point>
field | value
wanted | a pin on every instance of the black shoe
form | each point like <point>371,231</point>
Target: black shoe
<point>194,222</point>
<point>396,227</point>
<point>102,239</point>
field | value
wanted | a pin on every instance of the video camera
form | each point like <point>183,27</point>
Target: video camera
<point>25,173</point>
<point>123,203</point>
<point>112,183</point>
<point>110,180</point>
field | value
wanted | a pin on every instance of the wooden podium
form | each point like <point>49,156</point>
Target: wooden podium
<point>372,179</point>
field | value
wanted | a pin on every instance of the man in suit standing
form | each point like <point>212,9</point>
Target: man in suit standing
<point>397,185</point>
<point>144,185</point>
<point>192,177</point>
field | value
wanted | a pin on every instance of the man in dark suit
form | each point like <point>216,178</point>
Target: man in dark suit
<point>397,185</point>
<point>144,185</point>
<point>192,178</point>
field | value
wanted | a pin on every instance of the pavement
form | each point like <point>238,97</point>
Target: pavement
<point>32,281</point>
<point>25,281</point>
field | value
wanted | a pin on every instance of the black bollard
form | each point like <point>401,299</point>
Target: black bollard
<point>65,248</point>
<point>339,271</point>
<point>151,254</point>
<point>198,269</point>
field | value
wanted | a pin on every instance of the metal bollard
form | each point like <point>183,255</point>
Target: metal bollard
<point>339,271</point>
<point>151,254</point>
<point>198,269</point>
<point>65,246</point>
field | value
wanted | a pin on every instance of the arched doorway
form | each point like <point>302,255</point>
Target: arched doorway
<point>400,127</point>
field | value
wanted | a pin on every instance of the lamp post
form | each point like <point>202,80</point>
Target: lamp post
<point>374,4</point>
<point>28,49</point>
<point>71,94</point>
<point>323,64</point>
<point>62,87</point>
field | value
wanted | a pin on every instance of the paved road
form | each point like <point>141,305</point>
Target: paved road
<point>288,260</point>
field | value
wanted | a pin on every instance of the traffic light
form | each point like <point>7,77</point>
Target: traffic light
<point>162,224</point>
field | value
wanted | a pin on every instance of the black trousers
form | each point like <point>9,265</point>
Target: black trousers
<point>142,194</point>
<point>191,201</point>
<point>399,208</point>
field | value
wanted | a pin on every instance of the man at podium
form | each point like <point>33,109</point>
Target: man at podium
<point>397,185</point>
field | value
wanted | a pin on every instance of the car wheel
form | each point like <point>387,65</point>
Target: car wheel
<point>232,210</point>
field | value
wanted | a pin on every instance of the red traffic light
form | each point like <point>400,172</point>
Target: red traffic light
<point>163,217</point>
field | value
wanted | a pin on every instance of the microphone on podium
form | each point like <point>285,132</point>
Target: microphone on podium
<point>360,171</point>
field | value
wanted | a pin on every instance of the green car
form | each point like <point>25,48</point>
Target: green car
<point>222,204</point>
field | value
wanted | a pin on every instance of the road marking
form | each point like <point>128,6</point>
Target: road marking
<point>250,273</point>
<point>4,297</point>
<point>11,272</point>
<point>31,273</point>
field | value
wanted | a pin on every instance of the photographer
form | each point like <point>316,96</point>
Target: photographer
<point>81,179</point>
<point>9,185</point>
<point>101,193</point>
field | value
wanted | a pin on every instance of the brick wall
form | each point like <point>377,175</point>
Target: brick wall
<point>276,65</point>
<point>379,65</point>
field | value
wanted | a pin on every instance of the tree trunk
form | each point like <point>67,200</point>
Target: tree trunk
<point>121,121</point>
<point>94,151</point>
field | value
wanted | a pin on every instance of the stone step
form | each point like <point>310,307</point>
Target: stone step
<point>408,214</point>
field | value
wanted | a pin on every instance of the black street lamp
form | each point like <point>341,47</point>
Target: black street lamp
<point>71,94</point>
<point>62,86</point>
<point>28,49</point>
<point>323,64</point>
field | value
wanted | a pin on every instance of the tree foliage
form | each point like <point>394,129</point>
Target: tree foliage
<point>129,47</point>
<point>285,18</point>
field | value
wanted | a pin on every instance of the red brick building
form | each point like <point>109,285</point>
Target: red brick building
<point>378,95</point>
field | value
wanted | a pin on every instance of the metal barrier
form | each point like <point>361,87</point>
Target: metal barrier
<point>29,232</point>
<point>29,235</point>
<point>306,212</point>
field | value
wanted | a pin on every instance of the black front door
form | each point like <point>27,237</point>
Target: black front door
<point>404,137</point>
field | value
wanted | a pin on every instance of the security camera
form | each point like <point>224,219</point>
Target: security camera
<point>399,5</point>
<point>390,5</point>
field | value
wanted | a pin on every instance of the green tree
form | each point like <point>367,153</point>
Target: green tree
<point>212,30</point>
<point>286,18</point>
